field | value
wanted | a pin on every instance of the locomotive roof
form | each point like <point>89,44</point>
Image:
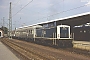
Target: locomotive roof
<point>29,26</point>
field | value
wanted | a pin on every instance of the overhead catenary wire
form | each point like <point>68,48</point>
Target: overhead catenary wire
<point>3,22</point>
<point>27,4</point>
<point>22,8</point>
<point>16,3</point>
<point>53,5</point>
<point>64,11</point>
<point>54,13</point>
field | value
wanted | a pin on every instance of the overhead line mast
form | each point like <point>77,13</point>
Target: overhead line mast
<point>10,22</point>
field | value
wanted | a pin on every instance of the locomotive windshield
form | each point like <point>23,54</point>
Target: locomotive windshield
<point>64,32</point>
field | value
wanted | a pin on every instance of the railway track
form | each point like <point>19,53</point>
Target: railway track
<point>37,52</point>
<point>72,50</point>
<point>78,51</point>
<point>24,51</point>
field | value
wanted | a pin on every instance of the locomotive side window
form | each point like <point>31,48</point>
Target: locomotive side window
<point>29,31</point>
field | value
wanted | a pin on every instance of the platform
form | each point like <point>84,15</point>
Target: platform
<point>85,45</point>
<point>6,54</point>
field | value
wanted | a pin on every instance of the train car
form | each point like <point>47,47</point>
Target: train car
<point>26,32</point>
<point>82,32</point>
<point>59,32</point>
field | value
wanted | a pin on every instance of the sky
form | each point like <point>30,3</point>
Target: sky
<point>28,12</point>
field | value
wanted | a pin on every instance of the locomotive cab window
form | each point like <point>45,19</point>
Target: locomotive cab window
<point>64,32</point>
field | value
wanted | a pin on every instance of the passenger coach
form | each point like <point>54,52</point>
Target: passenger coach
<point>27,32</point>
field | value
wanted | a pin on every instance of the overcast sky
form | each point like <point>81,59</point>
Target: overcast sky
<point>28,12</point>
